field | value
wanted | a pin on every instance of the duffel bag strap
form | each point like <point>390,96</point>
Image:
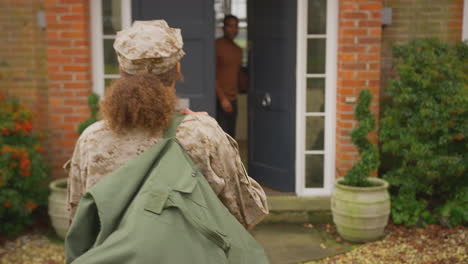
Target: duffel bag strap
<point>172,129</point>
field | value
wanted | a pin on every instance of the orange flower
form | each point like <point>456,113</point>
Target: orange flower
<point>7,148</point>
<point>7,204</point>
<point>38,148</point>
<point>24,162</point>
<point>28,126</point>
<point>30,206</point>
<point>18,126</point>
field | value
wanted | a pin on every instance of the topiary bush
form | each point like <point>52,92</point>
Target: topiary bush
<point>93,103</point>
<point>424,130</point>
<point>369,161</point>
<point>23,172</point>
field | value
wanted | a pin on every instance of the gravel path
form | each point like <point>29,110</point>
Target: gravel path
<point>433,245</point>
<point>32,249</point>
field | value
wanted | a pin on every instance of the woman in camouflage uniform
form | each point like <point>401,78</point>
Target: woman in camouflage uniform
<point>137,109</point>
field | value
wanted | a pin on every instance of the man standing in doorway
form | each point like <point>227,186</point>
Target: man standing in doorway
<point>228,75</point>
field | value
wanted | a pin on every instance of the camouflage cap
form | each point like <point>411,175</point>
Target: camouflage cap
<point>148,46</point>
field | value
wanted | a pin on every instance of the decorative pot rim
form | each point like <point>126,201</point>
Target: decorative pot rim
<point>57,185</point>
<point>383,185</point>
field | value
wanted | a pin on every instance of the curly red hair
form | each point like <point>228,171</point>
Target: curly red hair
<point>140,101</point>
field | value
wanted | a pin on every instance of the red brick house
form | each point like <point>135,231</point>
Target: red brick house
<point>308,60</point>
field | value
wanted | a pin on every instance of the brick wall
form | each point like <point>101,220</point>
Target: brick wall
<point>359,48</point>
<point>416,19</point>
<point>69,73</point>
<point>23,60</point>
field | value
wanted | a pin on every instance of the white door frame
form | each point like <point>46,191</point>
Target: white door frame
<point>330,98</point>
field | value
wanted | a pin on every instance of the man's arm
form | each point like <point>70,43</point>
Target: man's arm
<point>223,100</point>
<point>219,92</point>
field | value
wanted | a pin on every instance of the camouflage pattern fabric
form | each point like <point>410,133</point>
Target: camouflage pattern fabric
<point>100,151</point>
<point>148,46</point>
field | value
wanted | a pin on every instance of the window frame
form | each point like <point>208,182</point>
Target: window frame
<point>97,45</point>
<point>330,98</point>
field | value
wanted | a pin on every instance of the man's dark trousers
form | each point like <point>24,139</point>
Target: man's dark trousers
<point>227,121</point>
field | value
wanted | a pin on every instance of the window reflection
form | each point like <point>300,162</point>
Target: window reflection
<point>111,17</point>
<point>315,128</point>
<point>314,171</point>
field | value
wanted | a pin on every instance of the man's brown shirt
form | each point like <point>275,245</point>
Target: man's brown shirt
<point>228,63</point>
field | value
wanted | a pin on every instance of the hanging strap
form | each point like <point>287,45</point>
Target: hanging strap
<point>164,200</point>
<point>176,120</point>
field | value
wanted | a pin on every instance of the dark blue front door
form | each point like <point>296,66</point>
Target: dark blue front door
<point>272,40</point>
<point>196,20</point>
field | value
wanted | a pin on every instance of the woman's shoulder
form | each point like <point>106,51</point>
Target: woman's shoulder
<point>199,119</point>
<point>97,127</point>
<point>95,133</point>
<point>200,125</point>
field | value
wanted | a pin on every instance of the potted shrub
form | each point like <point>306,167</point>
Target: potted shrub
<point>58,210</point>
<point>23,172</point>
<point>361,204</point>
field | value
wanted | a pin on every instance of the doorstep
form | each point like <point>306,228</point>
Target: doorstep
<point>295,209</point>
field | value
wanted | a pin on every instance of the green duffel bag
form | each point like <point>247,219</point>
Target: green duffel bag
<point>158,208</point>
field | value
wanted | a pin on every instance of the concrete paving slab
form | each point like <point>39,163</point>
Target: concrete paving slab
<point>296,243</point>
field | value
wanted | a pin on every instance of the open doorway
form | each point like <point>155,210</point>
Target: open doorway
<point>237,8</point>
<point>265,121</point>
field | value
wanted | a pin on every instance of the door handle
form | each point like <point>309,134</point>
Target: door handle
<point>266,101</point>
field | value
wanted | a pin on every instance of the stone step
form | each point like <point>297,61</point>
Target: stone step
<point>295,209</point>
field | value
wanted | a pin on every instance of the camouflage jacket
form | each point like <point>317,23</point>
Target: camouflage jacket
<point>100,151</point>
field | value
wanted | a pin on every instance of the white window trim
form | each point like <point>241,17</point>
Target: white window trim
<point>465,20</point>
<point>330,99</point>
<point>97,47</point>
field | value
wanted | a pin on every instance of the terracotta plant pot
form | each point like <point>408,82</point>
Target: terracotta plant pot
<point>58,206</point>
<point>361,213</point>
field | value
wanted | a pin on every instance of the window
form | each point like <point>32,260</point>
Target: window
<point>316,78</point>
<point>107,18</point>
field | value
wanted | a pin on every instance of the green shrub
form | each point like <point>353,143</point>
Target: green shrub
<point>93,103</point>
<point>22,170</point>
<point>424,130</point>
<point>369,161</point>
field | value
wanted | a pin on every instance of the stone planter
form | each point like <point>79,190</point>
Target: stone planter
<point>58,206</point>
<point>361,213</point>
